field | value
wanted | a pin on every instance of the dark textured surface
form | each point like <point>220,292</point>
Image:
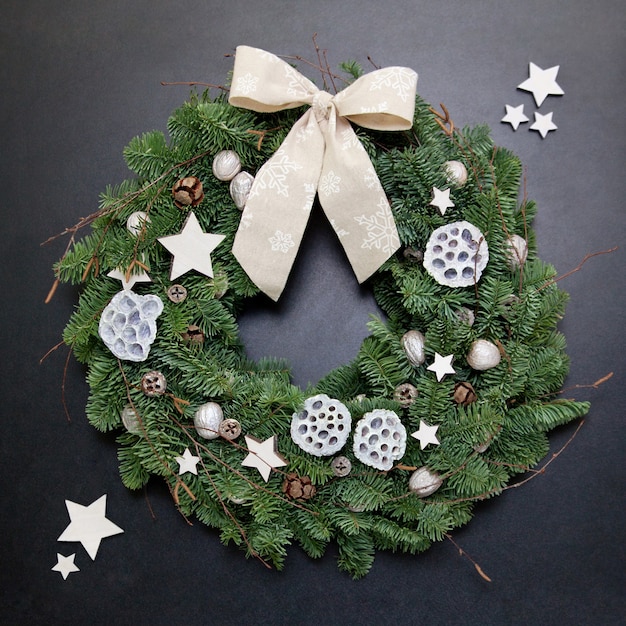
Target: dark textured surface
<point>79,80</point>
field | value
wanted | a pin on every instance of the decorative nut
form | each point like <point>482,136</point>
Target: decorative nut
<point>424,482</point>
<point>466,316</point>
<point>176,293</point>
<point>207,420</point>
<point>193,335</point>
<point>413,344</point>
<point>483,355</point>
<point>517,251</point>
<point>341,466</point>
<point>229,429</point>
<point>240,189</point>
<point>153,384</point>
<point>187,192</point>
<point>464,393</point>
<point>412,254</point>
<point>405,394</point>
<point>131,421</point>
<point>456,172</point>
<point>226,165</point>
<point>136,222</point>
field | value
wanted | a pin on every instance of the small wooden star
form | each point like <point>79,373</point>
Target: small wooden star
<point>514,116</point>
<point>541,83</point>
<point>442,366</point>
<point>187,463</point>
<point>65,565</point>
<point>263,455</point>
<point>543,124</point>
<point>426,434</point>
<point>441,200</point>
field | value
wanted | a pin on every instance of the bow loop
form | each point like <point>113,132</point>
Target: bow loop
<point>321,154</point>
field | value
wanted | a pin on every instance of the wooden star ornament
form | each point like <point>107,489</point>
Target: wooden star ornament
<point>263,455</point>
<point>541,83</point>
<point>191,248</point>
<point>426,434</point>
<point>441,200</point>
<point>442,366</point>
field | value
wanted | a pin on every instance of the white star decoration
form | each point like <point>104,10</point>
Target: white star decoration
<point>263,455</point>
<point>141,277</point>
<point>89,525</point>
<point>187,463</point>
<point>442,365</point>
<point>65,565</point>
<point>514,115</point>
<point>426,435</point>
<point>441,199</point>
<point>542,83</point>
<point>543,124</point>
<point>191,248</point>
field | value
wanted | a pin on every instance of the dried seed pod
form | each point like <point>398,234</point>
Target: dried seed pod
<point>341,466</point>
<point>176,293</point>
<point>464,393</point>
<point>405,394</point>
<point>483,355</point>
<point>379,439</point>
<point>413,344</point>
<point>412,254</point>
<point>240,189</point>
<point>187,192</point>
<point>456,172</point>
<point>229,429</point>
<point>207,420</point>
<point>153,384</point>
<point>194,335</point>
<point>424,482</point>
<point>298,487</point>
<point>226,165</point>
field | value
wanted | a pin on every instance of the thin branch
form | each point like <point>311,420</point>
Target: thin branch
<point>577,268</point>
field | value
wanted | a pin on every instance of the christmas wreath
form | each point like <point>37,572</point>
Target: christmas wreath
<point>450,396</point>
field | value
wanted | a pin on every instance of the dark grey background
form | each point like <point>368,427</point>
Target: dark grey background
<point>79,80</point>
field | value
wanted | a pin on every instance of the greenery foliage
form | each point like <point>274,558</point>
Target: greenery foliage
<point>518,309</point>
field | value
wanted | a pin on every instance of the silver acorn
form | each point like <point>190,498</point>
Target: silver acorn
<point>240,189</point>
<point>226,165</point>
<point>483,355</point>
<point>413,344</point>
<point>207,420</point>
<point>424,482</point>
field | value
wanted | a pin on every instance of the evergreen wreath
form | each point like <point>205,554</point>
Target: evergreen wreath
<point>492,424</point>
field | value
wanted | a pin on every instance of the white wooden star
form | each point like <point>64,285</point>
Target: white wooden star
<point>191,248</point>
<point>89,525</point>
<point>442,365</point>
<point>263,455</point>
<point>543,124</point>
<point>65,565</point>
<point>187,463</point>
<point>426,434</point>
<point>514,115</point>
<point>542,83</point>
<point>140,277</point>
<point>441,199</point>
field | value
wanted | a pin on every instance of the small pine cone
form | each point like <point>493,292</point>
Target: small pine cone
<point>298,487</point>
<point>187,192</point>
<point>464,393</point>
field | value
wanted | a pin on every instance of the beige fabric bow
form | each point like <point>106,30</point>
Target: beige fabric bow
<point>320,154</point>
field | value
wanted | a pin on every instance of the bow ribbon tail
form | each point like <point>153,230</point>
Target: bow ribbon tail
<point>354,202</point>
<point>278,208</point>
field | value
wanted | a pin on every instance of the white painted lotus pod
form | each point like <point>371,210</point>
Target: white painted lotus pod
<point>207,420</point>
<point>379,439</point>
<point>136,222</point>
<point>413,343</point>
<point>424,482</point>
<point>517,251</point>
<point>240,189</point>
<point>456,254</point>
<point>322,427</point>
<point>131,421</point>
<point>456,172</point>
<point>483,355</point>
<point>226,165</point>
<point>128,324</point>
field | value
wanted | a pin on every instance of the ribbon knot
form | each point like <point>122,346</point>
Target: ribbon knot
<point>320,154</point>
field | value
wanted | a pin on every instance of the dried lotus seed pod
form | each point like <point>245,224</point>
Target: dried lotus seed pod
<point>379,439</point>
<point>226,165</point>
<point>456,172</point>
<point>517,251</point>
<point>483,355</point>
<point>207,420</point>
<point>240,189</point>
<point>424,482</point>
<point>456,254</point>
<point>322,427</point>
<point>413,343</point>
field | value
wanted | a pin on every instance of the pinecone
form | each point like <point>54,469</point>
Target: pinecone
<point>298,487</point>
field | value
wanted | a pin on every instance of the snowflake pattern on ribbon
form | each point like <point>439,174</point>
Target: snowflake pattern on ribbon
<point>281,242</point>
<point>273,175</point>
<point>401,80</point>
<point>349,139</point>
<point>247,83</point>
<point>299,87</point>
<point>382,107</point>
<point>340,232</point>
<point>309,195</point>
<point>329,183</point>
<point>370,179</point>
<point>380,227</point>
